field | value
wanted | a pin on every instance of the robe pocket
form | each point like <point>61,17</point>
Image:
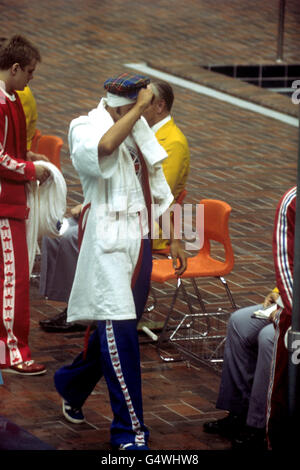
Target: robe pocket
<point>117,231</point>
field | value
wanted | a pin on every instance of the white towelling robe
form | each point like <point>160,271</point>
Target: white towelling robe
<point>112,237</point>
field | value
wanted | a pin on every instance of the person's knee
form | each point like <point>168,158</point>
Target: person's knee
<point>241,325</point>
<point>237,321</point>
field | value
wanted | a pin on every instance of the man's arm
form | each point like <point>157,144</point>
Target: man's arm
<point>111,140</point>
<point>283,246</point>
<point>17,169</point>
<point>176,249</point>
<point>21,170</point>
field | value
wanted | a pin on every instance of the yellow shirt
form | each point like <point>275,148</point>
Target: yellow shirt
<point>30,111</point>
<point>176,166</point>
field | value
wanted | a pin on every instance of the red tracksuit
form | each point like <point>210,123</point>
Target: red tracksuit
<point>15,172</point>
<point>283,252</point>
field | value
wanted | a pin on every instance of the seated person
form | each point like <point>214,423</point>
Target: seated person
<point>177,165</point>
<point>245,378</point>
<point>58,265</point>
<point>59,256</point>
<point>254,377</point>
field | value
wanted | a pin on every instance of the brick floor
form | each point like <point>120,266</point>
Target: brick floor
<point>237,155</point>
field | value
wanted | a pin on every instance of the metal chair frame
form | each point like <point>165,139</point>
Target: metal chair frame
<point>216,229</point>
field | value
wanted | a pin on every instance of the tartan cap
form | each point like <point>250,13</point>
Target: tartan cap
<point>126,85</point>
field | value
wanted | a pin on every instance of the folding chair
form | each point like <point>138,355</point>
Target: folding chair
<point>216,219</point>
<point>50,145</point>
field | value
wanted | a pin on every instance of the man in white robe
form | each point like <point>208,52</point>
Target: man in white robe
<point>118,160</point>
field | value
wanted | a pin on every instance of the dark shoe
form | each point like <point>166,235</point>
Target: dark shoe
<point>229,426</point>
<point>250,439</point>
<point>133,446</point>
<point>74,415</point>
<point>58,324</point>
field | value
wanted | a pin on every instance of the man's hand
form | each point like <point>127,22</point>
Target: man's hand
<point>270,299</point>
<point>124,118</point>
<point>34,157</point>
<point>41,172</point>
<point>177,252</point>
<point>145,97</point>
<point>76,211</point>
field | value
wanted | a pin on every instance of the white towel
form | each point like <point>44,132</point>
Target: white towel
<point>47,203</point>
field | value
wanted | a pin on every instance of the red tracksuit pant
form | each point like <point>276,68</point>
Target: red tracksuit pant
<point>14,292</point>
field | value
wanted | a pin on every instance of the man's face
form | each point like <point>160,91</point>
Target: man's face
<point>23,76</point>
<point>150,113</point>
<point>120,111</point>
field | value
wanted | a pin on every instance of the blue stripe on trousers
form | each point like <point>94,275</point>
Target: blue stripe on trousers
<point>75,382</point>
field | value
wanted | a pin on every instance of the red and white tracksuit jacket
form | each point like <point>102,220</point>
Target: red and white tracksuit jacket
<point>283,253</point>
<point>15,172</point>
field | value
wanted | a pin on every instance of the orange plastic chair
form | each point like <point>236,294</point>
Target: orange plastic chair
<point>35,139</point>
<point>164,252</point>
<point>50,145</point>
<point>216,228</point>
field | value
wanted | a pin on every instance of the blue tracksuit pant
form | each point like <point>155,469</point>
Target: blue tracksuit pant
<point>113,352</point>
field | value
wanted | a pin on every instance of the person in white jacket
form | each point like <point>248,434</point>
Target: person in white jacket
<point>118,160</point>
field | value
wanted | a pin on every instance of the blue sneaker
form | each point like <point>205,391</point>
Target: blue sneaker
<point>74,415</point>
<point>133,446</point>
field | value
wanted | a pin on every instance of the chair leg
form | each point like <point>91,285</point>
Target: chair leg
<point>199,297</point>
<point>152,306</point>
<point>228,291</point>
<point>186,297</point>
<point>202,305</point>
<point>149,309</point>
<point>180,285</point>
<point>162,335</point>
